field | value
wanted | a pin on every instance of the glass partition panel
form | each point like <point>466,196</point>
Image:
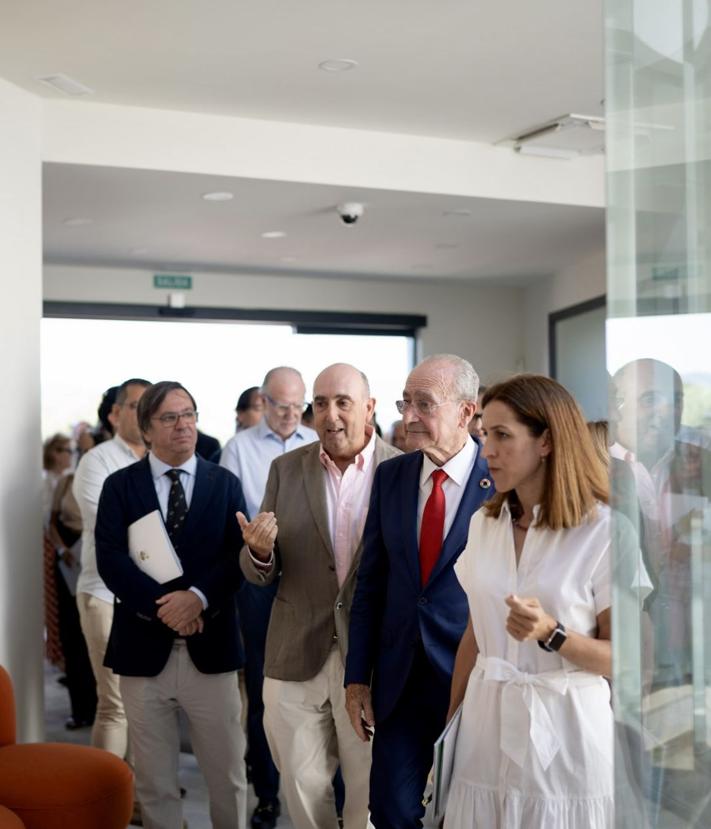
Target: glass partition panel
<point>658,55</point>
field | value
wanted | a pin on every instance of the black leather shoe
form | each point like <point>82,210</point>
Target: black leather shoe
<point>72,725</point>
<point>266,814</point>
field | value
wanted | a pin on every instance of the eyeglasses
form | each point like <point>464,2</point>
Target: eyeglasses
<point>424,408</point>
<point>63,449</point>
<point>171,418</point>
<point>286,408</point>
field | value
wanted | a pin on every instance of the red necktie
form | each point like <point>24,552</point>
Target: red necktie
<point>432,529</point>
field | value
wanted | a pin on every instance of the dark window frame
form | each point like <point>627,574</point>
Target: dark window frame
<point>566,313</point>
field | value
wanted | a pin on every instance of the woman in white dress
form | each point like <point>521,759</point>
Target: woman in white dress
<point>535,742</point>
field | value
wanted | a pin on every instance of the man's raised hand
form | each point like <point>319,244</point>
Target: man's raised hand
<point>259,534</point>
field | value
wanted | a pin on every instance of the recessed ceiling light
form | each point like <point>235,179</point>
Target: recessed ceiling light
<point>218,195</point>
<point>66,85</point>
<point>338,65</point>
<point>76,221</point>
<point>138,251</point>
<point>273,234</point>
<point>458,211</point>
<point>287,259</point>
<point>423,267</point>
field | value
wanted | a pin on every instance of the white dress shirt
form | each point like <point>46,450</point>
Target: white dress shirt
<point>163,483</point>
<point>458,469</point>
<point>94,468</point>
<point>250,453</point>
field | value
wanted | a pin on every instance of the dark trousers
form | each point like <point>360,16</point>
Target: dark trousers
<point>80,677</point>
<point>403,748</point>
<point>255,607</point>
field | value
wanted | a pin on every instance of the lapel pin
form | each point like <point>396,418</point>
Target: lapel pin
<point>485,483</point>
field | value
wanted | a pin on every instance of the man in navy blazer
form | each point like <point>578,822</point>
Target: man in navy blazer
<point>176,645</point>
<point>409,611</point>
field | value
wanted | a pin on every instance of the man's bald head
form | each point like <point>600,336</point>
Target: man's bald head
<point>283,393</point>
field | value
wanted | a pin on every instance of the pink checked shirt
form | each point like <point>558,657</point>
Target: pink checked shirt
<point>347,497</point>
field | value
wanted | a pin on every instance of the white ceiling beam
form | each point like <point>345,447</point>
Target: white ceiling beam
<point>78,132</point>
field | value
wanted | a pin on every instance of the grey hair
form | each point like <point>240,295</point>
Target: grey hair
<point>278,369</point>
<point>465,380</point>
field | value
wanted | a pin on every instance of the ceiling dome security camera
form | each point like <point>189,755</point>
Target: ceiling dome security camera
<point>350,212</point>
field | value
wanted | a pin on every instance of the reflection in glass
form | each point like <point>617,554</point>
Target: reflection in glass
<point>658,352</point>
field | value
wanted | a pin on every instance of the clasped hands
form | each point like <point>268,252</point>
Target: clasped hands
<point>181,611</point>
<point>259,534</point>
<point>527,620</point>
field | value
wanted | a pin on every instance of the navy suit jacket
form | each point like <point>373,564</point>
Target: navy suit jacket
<point>392,613</point>
<point>209,545</point>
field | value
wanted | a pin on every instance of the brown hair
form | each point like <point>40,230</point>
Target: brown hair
<point>57,441</point>
<point>575,476</point>
<point>598,432</point>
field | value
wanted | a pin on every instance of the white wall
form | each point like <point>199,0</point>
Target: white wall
<point>21,615</point>
<point>480,323</point>
<point>583,281</point>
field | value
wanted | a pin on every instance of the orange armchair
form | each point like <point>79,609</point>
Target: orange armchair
<point>54,785</point>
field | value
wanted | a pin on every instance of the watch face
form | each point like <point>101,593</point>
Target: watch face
<point>557,639</point>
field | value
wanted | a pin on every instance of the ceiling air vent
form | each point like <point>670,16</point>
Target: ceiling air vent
<point>66,85</point>
<point>569,136</point>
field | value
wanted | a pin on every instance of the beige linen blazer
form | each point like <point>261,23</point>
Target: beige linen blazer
<point>310,614</point>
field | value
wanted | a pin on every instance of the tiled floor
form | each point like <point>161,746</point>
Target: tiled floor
<point>195,803</point>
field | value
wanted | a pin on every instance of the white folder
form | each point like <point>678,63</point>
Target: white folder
<point>152,550</point>
<point>444,762</point>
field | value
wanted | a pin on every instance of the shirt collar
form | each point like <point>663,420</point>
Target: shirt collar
<point>457,467</point>
<point>362,459</point>
<point>158,468</point>
<point>119,441</point>
<point>265,431</point>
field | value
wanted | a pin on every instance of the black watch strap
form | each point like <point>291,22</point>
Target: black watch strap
<point>555,641</point>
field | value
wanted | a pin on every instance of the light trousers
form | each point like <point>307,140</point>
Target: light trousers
<point>110,730</point>
<point>213,708</point>
<point>310,734</point>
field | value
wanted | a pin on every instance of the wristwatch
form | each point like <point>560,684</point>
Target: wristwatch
<point>555,641</point>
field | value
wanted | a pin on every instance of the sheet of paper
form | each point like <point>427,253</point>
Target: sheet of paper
<point>151,549</point>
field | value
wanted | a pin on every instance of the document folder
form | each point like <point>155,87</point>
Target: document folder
<point>151,549</point>
<point>444,763</point>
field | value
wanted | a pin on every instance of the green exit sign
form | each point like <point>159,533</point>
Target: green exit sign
<point>171,280</point>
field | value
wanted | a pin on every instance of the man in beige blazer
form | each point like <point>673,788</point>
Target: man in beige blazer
<point>309,530</point>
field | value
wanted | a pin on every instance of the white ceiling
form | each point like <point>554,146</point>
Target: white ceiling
<point>159,219</point>
<point>452,68</point>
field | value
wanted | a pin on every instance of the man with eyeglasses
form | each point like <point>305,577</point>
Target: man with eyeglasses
<point>176,645</point>
<point>310,531</point>
<point>409,612</point>
<point>94,599</point>
<point>249,454</point>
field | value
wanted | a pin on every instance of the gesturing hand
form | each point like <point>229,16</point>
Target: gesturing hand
<point>259,534</point>
<point>360,710</point>
<point>528,620</point>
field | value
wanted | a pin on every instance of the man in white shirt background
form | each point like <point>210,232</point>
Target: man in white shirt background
<point>94,599</point>
<point>249,454</point>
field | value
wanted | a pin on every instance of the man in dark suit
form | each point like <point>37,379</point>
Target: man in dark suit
<point>409,611</point>
<point>176,645</point>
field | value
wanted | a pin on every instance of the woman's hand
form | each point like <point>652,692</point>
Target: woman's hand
<point>528,620</point>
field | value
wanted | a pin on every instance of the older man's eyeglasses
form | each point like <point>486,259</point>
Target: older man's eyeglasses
<point>286,408</point>
<point>424,408</point>
<point>171,418</point>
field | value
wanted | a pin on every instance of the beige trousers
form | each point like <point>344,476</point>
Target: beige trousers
<point>309,734</point>
<point>212,705</point>
<point>110,729</point>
